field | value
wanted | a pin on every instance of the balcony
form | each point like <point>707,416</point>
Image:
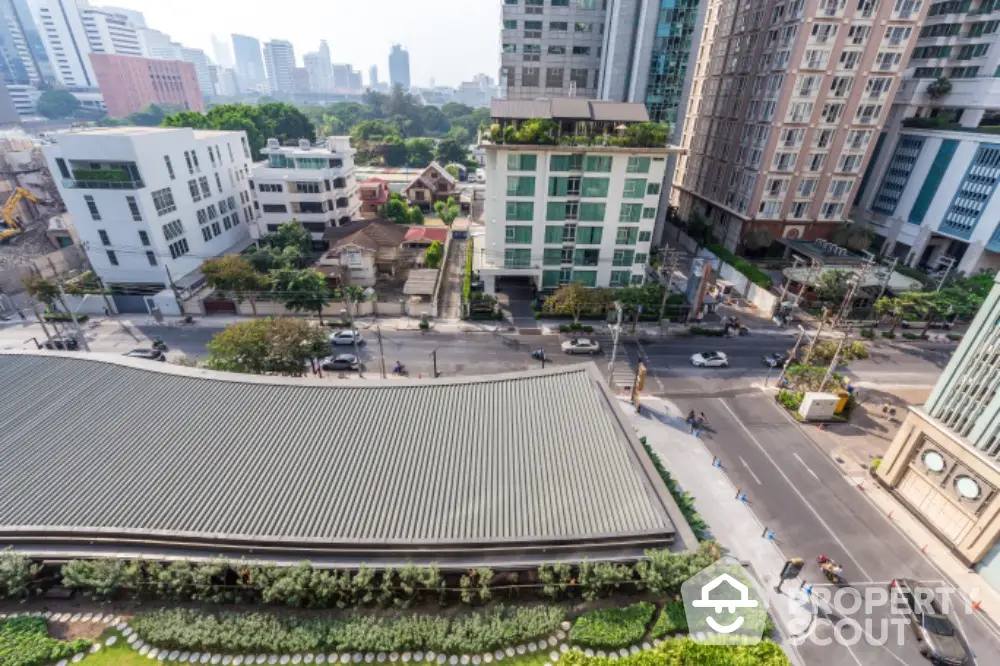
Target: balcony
<point>104,179</point>
<point>545,132</point>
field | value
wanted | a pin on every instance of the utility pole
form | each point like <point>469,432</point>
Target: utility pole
<point>41,320</point>
<point>859,278</point>
<point>434,357</point>
<point>833,361</point>
<point>669,261</point>
<point>354,331</point>
<point>784,288</point>
<point>72,314</point>
<point>886,278</point>
<point>381,354</point>
<point>814,270</point>
<point>614,347</point>
<point>951,264</point>
<point>788,361</point>
<point>822,323</point>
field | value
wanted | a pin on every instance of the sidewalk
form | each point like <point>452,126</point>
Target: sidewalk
<point>732,523</point>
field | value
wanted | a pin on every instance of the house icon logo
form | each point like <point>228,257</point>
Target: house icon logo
<point>724,605</point>
<point>732,604</point>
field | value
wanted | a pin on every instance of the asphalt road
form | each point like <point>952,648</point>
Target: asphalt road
<point>800,493</point>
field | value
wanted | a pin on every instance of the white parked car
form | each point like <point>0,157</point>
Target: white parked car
<point>712,359</point>
<point>581,346</point>
<point>346,338</point>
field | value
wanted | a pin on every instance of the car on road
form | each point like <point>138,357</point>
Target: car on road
<point>581,346</point>
<point>775,360</point>
<point>939,641</point>
<point>710,359</point>
<point>61,344</point>
<point>340,362</point>
<point>346,338</point>
<point>148,354</point>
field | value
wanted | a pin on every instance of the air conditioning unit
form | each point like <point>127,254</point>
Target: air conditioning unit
<point>793,232</point>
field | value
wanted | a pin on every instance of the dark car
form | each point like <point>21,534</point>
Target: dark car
<point>62,344</point>
<point>341,362</point>
<point>148,354</point>
<point>775,360</point>
<point>939,641</point>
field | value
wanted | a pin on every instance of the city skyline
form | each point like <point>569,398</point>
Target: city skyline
<point>348,29</point>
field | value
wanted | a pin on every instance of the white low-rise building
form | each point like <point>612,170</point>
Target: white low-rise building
<point>150,204</point>
<point>563,213</point>
<point>313,185</point>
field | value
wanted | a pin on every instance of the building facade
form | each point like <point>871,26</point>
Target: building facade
<point>786,103</point>
<point>66,43</point>
<point>150,204</point>
<point>130,84</point>
<point>279,62</point>
<point>944,462</point>
<point>927,135</point>
<point>23,59</point>
<point>320,68</point>
<point>110,32</point>
<point>399,67</point>
<point>551,49</point>
<point>249,63</point>
<point>314,185</point>
<point>557,214</point>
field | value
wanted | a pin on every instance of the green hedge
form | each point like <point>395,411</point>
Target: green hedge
<point>186,629</point>
<point>107,175</point>
<point>686,652</point>
<point>685,502</point>
<point>867,333</point>
<point>924,278</point>
<point>888,335</point>
<point>467,279</point>
<point>913,336</point>
<point>574,328</point>
<point>672,620</point>
<point>612,628</point>
<point>709,332</point>
<point>790,399</point>
<point>757,276</point>
<point>64,317</point>
<point>25,641</point>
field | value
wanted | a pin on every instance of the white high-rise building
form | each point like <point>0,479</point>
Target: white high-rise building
<point>320,68</point>
<point>315,185</point>
<point>136,17</point>
<point>111,32</point>
<point>150,204</point>
<point>279,61</point>
<point>66,43</point>
<point>223,55</point>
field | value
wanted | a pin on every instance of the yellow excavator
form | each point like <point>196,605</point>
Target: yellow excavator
<point>14,225</point>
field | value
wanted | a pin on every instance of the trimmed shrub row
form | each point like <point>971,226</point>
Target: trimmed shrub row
<point>64,317</point>
<point>612,628</point>
<point>757,276</point>
<point>25,641</point>
<point>672,621</point>
<point>685,651</point>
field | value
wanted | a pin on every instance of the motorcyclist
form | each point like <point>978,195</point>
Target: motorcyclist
<point>397,369</point>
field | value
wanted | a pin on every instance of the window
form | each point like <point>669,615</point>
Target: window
<point>206,191</point>
<point>840,86</point>
<point>595,187</point>
<point>190,165</point>
<point>216,229</point>
<point>586,257</point>
<point>649,213</point>
<point>194,158</point>
<point>636,165</point>
<point>104,237</point>
<point>218,182</point>
<point>144,238</point>
<point>868,113</point>
<point>163,201</point>
<point>179,248</point>
<point>878,86</point>
<point>849,59</point>
<point>619,278</point>
<point>599,163</point>
<point>531,76</point>
<point>516,258</point>
<point>823,138</point>
<point>274,208</point>
<point>645,236</point>
<point>831,211</point>
<point>557,50</point>
<point>520,211</point>
<point>626,236</point>
<point>521,162</point>
<point>897,35</point>
<point>193,188</point>
<point>858,139</point>
<point>151,258</point>
<point>230,149</point>
<point>887,60</point>
<point>202,216</point>
<point>520,235</point>
<point>554,77</point>
<point>520,186</point>
<point>815,161</point>
<point>532,52</point>
<point>563,186</point>
<point>206,233</point>
<point>831,112</point>
<point>170,167</point>
<point>980,29</point>
<point>815,58</point>
<point>510,24</point>
<point>858,33</point>
<point>112,257</point>
<point>560,3</point>
<point>558,26</point>
<point>211,156</point>
<point>905,9</point>
<point>533,29</point>
<point>172,230</point>
<point>307,188</point>
<point>63,169</point>
<point>212,214</point>
<point>769,208</point>
<point>630,213</point>
<point>849,163</point>
<point>775,187</point>
<point>784,161</point>
<point>635,188</point>
<point>579,77</point>
<point>800,112</point>
<point>840,188</point>
<point>270,187</point>
<point>799,209</point>
<point>92,206</point>
<point>970,51</point>
<point>592,212</point>
<point>580,50</point>
<point>806,187</point>
<point>583,27</point>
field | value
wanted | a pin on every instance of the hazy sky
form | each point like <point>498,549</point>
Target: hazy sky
<point>449,40</point>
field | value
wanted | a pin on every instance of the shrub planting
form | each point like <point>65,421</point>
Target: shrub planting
<point>25,641</point>
<point>867,333</point>
<point>612,628</point>
<point>684,499</point>
<point>686,651</point>
<point>672,620</point>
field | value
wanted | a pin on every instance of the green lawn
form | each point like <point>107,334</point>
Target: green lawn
<point>120,654</point>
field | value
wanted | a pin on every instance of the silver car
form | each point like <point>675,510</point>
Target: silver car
<point>939,641</point>
<point>346,338</point>
<point>581,346</point>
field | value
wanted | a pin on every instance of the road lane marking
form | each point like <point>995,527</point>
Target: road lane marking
<point>802,497</point>
<point>808,468</point>
<point>749,470</point>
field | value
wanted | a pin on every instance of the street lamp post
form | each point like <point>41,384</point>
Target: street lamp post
<point>795,350</point>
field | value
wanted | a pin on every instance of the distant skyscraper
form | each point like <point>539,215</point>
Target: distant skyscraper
<point>300,80</point>
<point>223,56</point>
<point>110,32</point>
<point>23,58</point>
<point>399,67</point>
<point>65,41</point>
<point>373,76</point>
<point>130,84</point>
<point>249,63</point>
<point>320,69</point>
<point>137,19</point>
<point>341,77</point>
<point>279,61</point>
<point>354,80</point>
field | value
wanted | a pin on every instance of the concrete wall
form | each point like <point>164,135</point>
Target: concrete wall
<point>365,309</point>
<point>60,262</point>
<point>91,304</point>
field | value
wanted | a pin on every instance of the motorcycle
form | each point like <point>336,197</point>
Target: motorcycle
<point>831,570</point>
<point>159,344</point>
<point>538,354</point>
<point>400,370</point>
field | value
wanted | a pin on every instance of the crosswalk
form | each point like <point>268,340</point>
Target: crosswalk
<point>623,373</point>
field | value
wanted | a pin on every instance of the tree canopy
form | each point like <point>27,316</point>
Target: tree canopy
<point>57,104</point>
<point>261,122</point>
<point>235,274</point>
<point>260,346</point>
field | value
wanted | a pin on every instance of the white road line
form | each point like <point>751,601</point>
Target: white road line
<point>808,468</point>
<point>802,497</point>
<point>749,470</point>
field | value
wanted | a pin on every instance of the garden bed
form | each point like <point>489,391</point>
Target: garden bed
<point>612,628</point>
